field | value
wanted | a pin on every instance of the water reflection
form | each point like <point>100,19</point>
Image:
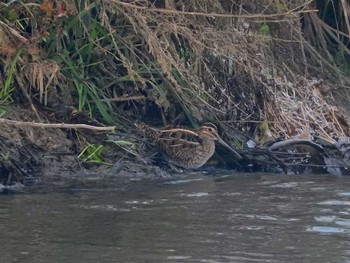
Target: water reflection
<point>336,215</point>
<point>201,218</point>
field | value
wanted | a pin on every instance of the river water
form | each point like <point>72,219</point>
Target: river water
<point>196,218</point>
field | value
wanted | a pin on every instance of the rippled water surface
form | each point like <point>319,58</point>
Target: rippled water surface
<point>198,218</point>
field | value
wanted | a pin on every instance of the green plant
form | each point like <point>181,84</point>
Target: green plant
<point>73,49</point>
<point>92,154</point>
<point>88,93</point>
<point>6,89</point>
<point>5,157</point>
<point>264,29</point>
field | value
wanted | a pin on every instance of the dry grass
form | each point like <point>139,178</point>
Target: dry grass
<point>227,68</point>
<point>43,76</point>
<point>225,61</point>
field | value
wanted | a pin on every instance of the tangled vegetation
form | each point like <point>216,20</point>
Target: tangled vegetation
<point>260,69</point>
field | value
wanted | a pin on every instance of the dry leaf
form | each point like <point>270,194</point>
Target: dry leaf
<point>46,7</point>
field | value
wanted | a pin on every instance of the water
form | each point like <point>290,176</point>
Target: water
<point>199,218</point>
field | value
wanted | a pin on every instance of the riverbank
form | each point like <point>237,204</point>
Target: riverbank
<point>258,77</point>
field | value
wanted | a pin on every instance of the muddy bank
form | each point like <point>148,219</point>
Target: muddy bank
<point>33,151</point>
<point>261,75</point>
<point>35,155</point>
<point>50,155</point>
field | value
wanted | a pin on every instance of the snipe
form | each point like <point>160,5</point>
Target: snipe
<point>186,148</point>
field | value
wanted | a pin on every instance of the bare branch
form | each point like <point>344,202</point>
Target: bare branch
<point>55,125</point>
<point>169,11</point>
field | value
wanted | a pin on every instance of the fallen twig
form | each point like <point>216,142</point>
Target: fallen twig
<point>167,11</point>
<point>293,142</point>
<point>55,125</point>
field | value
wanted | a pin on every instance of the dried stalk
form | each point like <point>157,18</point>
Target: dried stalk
<point>55,125</point>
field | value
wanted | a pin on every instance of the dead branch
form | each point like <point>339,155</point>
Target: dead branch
<point>293,142</point>
<point>55,125</point>
<point>169,11</point>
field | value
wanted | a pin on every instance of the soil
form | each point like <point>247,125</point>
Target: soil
<point>50,156</point>
<point>32,151</point>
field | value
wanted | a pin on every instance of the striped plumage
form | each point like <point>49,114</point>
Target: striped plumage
<point>185,148</point>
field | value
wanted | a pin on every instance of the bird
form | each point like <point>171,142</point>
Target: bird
<point>183,147</point>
